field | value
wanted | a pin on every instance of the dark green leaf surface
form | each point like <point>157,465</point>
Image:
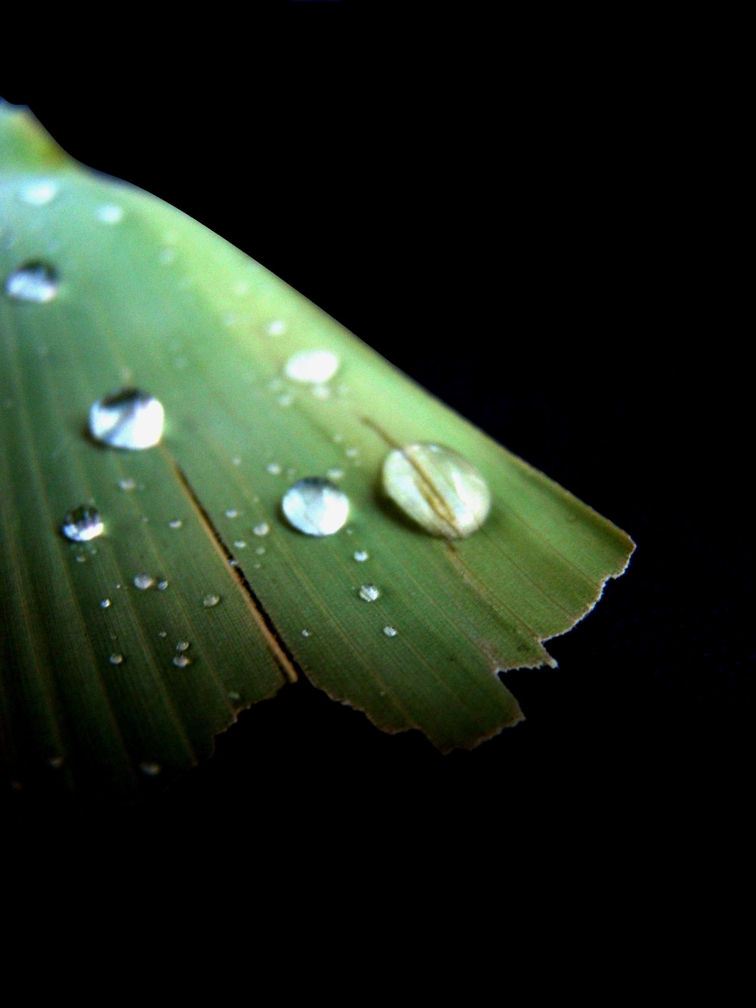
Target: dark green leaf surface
<point>155,300</point>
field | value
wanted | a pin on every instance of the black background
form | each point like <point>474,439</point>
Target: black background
<point>540,258</point>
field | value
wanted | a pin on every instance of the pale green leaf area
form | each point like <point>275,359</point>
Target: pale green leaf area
<point>154,300</point>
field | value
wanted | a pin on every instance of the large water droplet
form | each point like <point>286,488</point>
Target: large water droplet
<point>127,419</point>
<point>315,506</point>
<point>82,524</point>
<point>369,593</point>
<point>312,366</point>
<point>38,192</point>
<point>143,581</point>
<point>33,282</point>
<point>438,488</point>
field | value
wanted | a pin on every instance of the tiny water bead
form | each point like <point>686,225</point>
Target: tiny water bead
<point>109,214</point>
<point>231,513</point>
<point>81,559</point>
<point>116,659</point>
<point>335,474</point>
<point>315,366</point>
<point>437,488</point>
<point>34,282</point>
<point>162,633</point>
<point>261,529</point>
<point>240,544</point>
<point>361,556</point>
<point>305,633</point>
<point>82,524</point>
<point>176,523</point>
<point>274,468</point>
<point>182,645</point>
<point>276,328</point>
<point>106,603</point>
<point>390,631</point>
<point>181,660</point>
<point>210,600</point>
<point>126,484</point>
<point>150,769</point>
<point>127,419</point>
<point>38,192</point>
<point>161,585</point>
<point>369,593</point>
<point>315,506</point>
<point>143,581</point>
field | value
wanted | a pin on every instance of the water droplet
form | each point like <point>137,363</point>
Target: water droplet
<point>285,400</point>
<point>438,488</point>
<point>389,631</point>
<point>257,566</point>
<point>312,366</point>
<point>274,468</point>
<point>150,769</point>
<point>56,762</point>
<point>33,282</point>
<point>233,563</point>
<point>261,529</point>
<point>315,506</point>
<point>338,438</point>
<point>81,559</point>
<point>126,484</point>
<point>321,391</point>
<point>369,593</point>
<point>116,659</point>
<point>240,544</point>
<point>127,419</point>
<point>161,585</point>
<point>352,452</point>
<point>181,660</point>
<point>335,474</point>
<point>82,524</point>
<point>241,287</point>
<point>167,256</point>
<point>105,603</point>
<point>162,633</point>
<point>210,600</point>
<point>361,555</point>
<point>143,581</point>
<point>231,513</point>
<point>236,461</point>
<point>260,550</point>
<point>305,633</point>
<point>234,696</point>
<point>109,214</point>
<point>276,328</point>
<point>176,523</point>
<point>182,645</point>
<point>144,518</point>
<point>38,192</point>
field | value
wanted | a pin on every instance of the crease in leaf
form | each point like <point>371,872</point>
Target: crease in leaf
<point>261,389</point>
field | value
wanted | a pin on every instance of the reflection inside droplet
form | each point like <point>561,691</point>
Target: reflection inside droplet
<point>127,419</point>
<point>315,506</point>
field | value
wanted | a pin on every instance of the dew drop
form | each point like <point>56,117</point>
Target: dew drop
<point>335,474</point>
<point>38,192</point>
<point>233,696</point>
<point>285,400</point>
<point>261,529</point>
<point>305,633</point>
<point>82,524</point>
<point>276,328</point>
<point>240,544</point>
<point>162,633</point>
<point>437,488</point>
<point>361,555</point>
<point>116,659</point>
<point>176,523</point>
<point>167,256</point>
<point>105,603</point>
<point>389,631</point>
<point>274,468</point>
<point>210,600</point>
<point>81,559</point>
<point>369,593</point>
<point>109,214</point>
<point>315,366</point>
<point>150,769</point>
<point>161,585</point>
<point>231,513</point>
<point>236,461</point>
<point>338,438</point>
<point>126,484</point>
<point>182,645</point>
<point>127,419</point>
<point>33,282</point>
<point>181,660</point>
<point>352,452</point>
<point>260,550</point>
<point>315,506</point>
<point>56,762</point>
<point>233,563</point>
<point>143,581</point>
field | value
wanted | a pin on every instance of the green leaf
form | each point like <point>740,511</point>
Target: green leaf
<point>149,298</point>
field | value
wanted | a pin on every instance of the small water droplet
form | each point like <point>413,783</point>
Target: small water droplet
<point>241,288</point>
<point>116,659</point>
<point>315,506</point>
<point>338,438</point>
<point>361,555</point>
<point>38,192</point>
<point>233,563</point>
<point>260,550</point>
<point>352,452</point>
<point>335,474</point>
<point>389,631</point>
<point>369,593</point>
<point>285,400</point>
<point>161,585</point>
<point>82,524</point>
<point>56,762</point>
<point>234,696</point>
<point>274,468</point>
<point>167,256</point>
<point>182,645</point>
<point>240,544</point>
<point>150,769</point>
<point>236,460</point>
<point>109,213</point>
<point>33,282</point>
<point>144,518</point>
<point>162,633</point>
<point>321,391</point>
<point>105,603</point>
<point>305,633</point>
<point>126,484</point>
<point>81,559</point>
<point>438,488</point>
<point>261,529</point>
<point>176,523</point>
<point>143,581</point>
<point>127,419</point>
<point>231,513</point>
<point>276,328</point>
<point>257,566</point>
<point>210,600</point>
<point>312,366</point>
<point>181,660</point>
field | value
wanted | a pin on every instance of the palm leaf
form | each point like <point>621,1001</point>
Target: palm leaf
<point>146,297</point>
